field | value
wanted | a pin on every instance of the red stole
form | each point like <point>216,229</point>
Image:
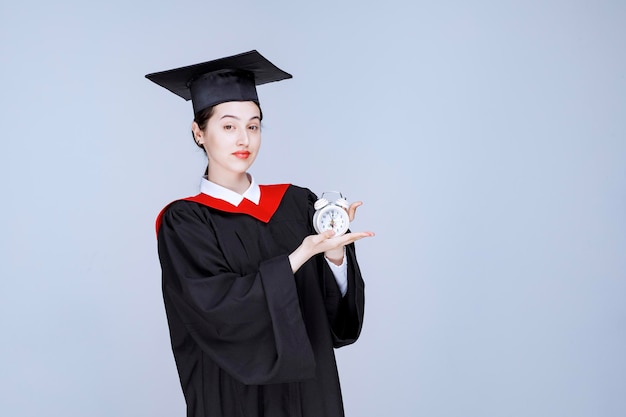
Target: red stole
<point>271,196</point>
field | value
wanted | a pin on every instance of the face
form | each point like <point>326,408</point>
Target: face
<point>232,139</point>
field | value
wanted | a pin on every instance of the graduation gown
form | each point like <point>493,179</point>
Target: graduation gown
<point>251,338</point>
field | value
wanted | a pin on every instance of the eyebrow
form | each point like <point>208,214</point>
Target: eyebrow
<point>237,118</point>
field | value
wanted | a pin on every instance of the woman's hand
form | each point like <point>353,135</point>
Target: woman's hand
<point>323,242</point>
<point>326,242</point>
<point>336,255</point>
<point>352,209</point>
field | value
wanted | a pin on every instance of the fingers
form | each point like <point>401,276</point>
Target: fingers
<point>349,238</point>
<point>329,235</point>
<point>354,236</point>
<point>352,209</point>
<point>321,237</point>
<point>327,241</point>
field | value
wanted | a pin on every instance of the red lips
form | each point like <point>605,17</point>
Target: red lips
<point>242,154</point>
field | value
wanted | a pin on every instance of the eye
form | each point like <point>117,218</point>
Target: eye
<point>254,128</point>
<point>229,127</point>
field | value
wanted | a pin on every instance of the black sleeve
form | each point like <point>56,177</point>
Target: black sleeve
<point>250,325</point>
<point>345,313</point>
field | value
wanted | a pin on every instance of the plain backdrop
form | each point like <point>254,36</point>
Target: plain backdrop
<point>486,138</point>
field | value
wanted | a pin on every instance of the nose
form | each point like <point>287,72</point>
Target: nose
<point>242,138</point>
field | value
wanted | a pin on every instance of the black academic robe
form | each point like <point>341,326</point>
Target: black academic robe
<point>249,337</point>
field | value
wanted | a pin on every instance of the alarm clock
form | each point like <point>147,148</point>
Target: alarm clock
<point>331,215</point>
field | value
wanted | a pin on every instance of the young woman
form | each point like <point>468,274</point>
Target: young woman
<point>255,299</point>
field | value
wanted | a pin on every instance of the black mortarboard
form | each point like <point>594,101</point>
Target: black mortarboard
<point>233,78</point>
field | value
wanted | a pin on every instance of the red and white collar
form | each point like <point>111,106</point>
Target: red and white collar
<point>253,193</point>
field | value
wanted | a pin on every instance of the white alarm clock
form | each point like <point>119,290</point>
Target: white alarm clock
<point>331,215</point>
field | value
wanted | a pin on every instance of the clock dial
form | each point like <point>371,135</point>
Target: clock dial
<point>333,219</point>
<point>331,216</point>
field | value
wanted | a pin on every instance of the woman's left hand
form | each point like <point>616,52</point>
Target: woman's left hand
<point>352,209</point>
<point>336,255</point>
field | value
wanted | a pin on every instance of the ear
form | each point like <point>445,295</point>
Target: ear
<point>198,134</point>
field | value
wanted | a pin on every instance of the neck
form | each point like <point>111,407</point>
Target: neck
<point>238,183</point>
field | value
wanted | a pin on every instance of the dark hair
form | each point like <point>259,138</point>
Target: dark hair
<point>202,118</point>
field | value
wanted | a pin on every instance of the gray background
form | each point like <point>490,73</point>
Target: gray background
<point>486,138</point>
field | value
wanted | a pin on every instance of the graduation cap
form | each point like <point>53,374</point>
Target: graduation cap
<point>232,78</point>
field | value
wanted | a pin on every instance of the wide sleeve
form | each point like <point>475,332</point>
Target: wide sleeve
<point>345,313</point>
<point>250,325</point>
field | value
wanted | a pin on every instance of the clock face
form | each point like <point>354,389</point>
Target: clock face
<point>334,218</point>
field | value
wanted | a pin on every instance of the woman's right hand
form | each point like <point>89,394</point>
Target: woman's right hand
<point>323,242</point>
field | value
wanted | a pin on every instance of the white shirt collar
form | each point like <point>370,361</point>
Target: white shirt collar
<point>253,193</point>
